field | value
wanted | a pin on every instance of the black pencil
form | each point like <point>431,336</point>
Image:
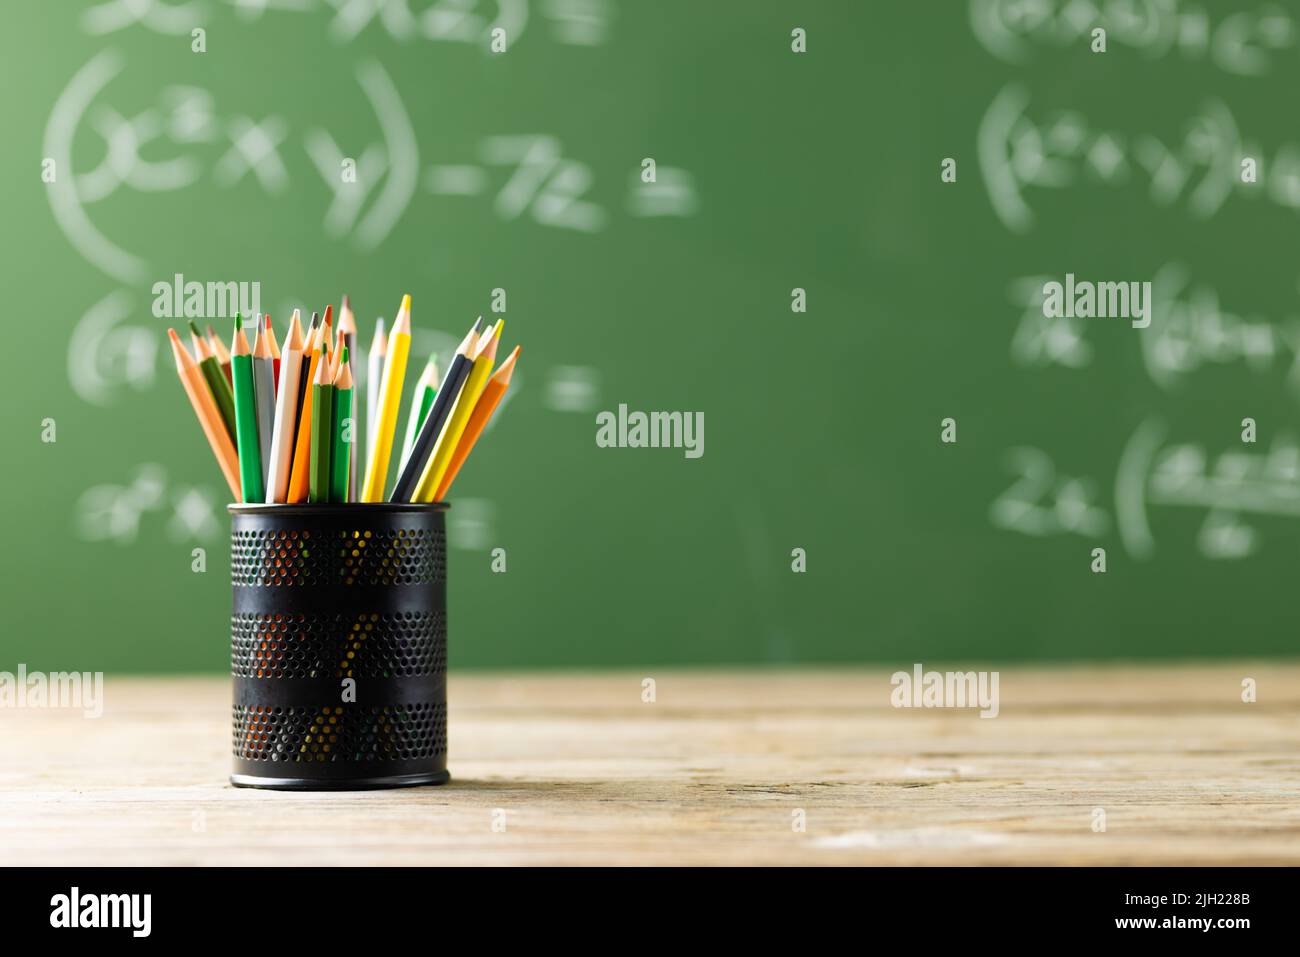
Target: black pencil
<point>457,373</point>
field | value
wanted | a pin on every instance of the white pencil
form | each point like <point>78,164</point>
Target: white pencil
<point>374,381</point>
<point>286,415</point>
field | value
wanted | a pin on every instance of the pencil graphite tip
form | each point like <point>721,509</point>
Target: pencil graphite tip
<point>239,323</point>
<point>194,328</point>
<point>329,314</point>
<point>478,325</point>
<point>343,356</point>
<point>406,303</point>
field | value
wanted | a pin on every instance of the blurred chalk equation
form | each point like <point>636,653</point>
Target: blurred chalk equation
<point>1153,474</point>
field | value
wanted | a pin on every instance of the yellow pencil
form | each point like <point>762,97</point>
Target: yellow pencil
<point>431,479</point>
<point>390,402</point>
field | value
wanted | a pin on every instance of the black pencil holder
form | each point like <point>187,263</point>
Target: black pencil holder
<point>338,645</point>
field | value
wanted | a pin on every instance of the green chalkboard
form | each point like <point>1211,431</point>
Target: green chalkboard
<point>825,228</point>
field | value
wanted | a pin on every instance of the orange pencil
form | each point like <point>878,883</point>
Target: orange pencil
<point>205,407</point>
<point>300,476</point>
<point>478,419</point>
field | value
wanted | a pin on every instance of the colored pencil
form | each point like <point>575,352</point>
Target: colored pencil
<point>250,451</point>
<point>421,402</point>
<point>469,393</point>
<point>220,353</point>
<point>264,393</point>
<point>374,379</point>
<point>300,475</point>
<point>327,331</point>
<point>344,430</point>
<point>286,411</point>
<point>216,379</point>
<point>275,350</point>
<point>487,404</point>
<point>348,335</point>
<point>390,402</point>
<point>205,408</point>
<point>322,429</point>
<point>452,380</point>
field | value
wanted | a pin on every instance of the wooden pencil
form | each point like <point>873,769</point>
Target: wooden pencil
<point>374,379</point>
<point>286,410</point>
<point>322,428</point>
<point>220,353</point>
<point>275,350</point>
<point>344,443</point>
<point>486,405</point>
<point>390,402</point>
<point>216,379</point>
<point>421,401</point>
<point>300,474</point>
<point>348,335</point>
<point>205,408</point>
<point>459,418</point>
<point>448,389</point>
<point>247,443</point>
<point>264,393</point>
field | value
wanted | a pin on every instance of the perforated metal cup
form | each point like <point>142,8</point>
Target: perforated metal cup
<point>338,645</point>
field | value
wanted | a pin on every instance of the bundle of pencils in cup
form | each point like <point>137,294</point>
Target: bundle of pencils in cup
<point>282,419</point>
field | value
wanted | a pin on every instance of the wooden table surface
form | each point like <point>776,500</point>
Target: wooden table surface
<point>715,771</point>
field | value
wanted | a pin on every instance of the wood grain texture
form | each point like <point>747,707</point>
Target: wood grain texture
<point>710,773</point>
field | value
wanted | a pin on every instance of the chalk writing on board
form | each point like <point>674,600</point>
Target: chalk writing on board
<point>1152,474</point>
<point>1200,171</point>
<point>1242,42</point>
<point>572,22</point>
<point>471,525</point>
<point>186,139</point>
<point>573,389</point>
<point>113,513</point>
<point>1190,331</point>
<point>106,352</point>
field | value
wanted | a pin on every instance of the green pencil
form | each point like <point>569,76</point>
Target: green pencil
<point>344,445</point>
<point>215,378</point>
<point>322,430</point>
<point>425,391</point>
<point>246,434</point>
